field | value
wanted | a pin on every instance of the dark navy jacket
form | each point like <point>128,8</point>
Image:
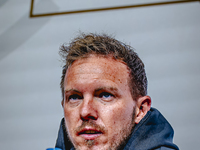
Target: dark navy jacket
<point>153,132</point>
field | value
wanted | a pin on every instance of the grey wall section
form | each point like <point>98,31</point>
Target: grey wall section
<point>166,37</point>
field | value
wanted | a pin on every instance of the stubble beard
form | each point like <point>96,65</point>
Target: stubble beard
<point>123,135</point>
<point>119,140</point>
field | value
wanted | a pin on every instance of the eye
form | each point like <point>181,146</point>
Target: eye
<point>106,95</point>
<point>74,97</point>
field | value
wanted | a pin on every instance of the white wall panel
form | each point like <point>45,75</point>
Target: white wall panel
<point>166,37</point>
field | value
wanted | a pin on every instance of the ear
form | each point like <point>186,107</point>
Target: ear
<point>142,107</point>
<point>62,103</point>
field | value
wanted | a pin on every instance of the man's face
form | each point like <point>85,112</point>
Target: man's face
<point>98,106</point>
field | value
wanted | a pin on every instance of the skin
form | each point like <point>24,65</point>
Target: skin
<point>98,99</point>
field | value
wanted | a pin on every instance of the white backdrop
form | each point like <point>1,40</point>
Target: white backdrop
<point>166,37</point>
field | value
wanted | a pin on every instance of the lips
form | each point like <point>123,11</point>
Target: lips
<point>89,133</point>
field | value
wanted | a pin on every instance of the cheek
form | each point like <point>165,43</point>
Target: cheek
<point>118,117</point>
<point>70,119</point>
<point>123,116</point>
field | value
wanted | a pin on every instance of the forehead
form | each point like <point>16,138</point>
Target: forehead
<point>97,67</point>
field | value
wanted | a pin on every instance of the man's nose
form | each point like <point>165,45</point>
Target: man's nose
<point>88,110</point>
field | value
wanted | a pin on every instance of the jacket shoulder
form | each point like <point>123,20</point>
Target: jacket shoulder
<point>164,148</point>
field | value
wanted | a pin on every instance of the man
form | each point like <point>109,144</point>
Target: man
<point>105,102</point>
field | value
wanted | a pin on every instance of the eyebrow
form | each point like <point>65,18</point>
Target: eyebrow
<point>107,88</point>
<point>98,89</point>
<point>72,90</point>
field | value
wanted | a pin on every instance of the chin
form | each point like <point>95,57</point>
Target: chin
<point>92,145</point>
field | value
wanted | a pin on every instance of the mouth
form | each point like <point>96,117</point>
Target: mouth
<point>90,134</point>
